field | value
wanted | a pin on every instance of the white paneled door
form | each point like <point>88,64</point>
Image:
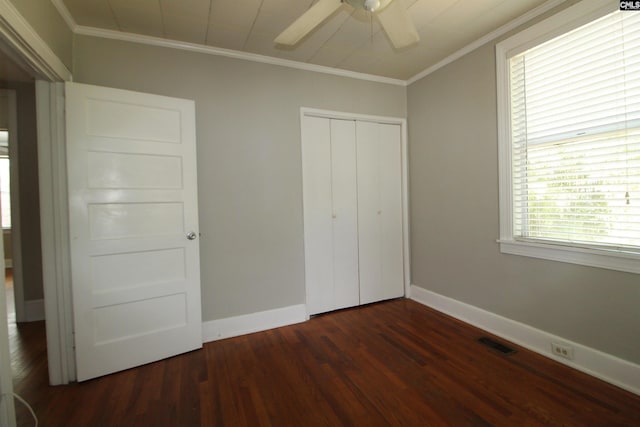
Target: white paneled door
<point>133,227</point>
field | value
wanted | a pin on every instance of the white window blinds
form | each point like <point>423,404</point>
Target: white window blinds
<point>575,135</point>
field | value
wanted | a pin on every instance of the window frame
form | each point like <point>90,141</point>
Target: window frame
<point>566,20</point>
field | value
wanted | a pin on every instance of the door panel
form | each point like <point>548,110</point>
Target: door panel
<point>345,214</point>
<point>317,206</point>
<point>379,212</point>
<point>391,233</point>
<point>330,214</point>
<point>137,269</point>
<point>117,322</point>
<point>369,247</point>
<point>134,171</point>
<point>132,200</point>
<point>132,121</point>
<point>131,220</point>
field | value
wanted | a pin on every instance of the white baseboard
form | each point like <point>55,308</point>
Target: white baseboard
<point>34,310</point>
<point>611,369</point>
<point>255,322</point>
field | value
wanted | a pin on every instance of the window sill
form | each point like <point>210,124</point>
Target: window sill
<point>613,260</point>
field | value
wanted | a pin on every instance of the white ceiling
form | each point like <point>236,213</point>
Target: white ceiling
<point>348,40</point>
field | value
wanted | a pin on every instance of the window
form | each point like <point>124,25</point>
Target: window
<point>569,117</point>
<point>5,193</point>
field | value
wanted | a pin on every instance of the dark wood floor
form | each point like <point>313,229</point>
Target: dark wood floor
<point>393,363</point>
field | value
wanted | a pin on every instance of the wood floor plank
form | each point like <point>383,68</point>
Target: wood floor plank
<point>387,364</point>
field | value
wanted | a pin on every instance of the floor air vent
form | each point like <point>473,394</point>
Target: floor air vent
<point>496,345</point>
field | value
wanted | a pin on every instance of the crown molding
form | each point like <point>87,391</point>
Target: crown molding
<point>210,50</point>
<point>29,45</point>
<point>487,38</point>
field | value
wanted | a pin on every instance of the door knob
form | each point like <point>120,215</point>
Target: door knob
<point>191,235</point>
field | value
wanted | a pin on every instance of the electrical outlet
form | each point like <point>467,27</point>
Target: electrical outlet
<point>562,350</point>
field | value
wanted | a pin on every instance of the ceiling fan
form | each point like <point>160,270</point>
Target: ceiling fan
<point>392,15</point>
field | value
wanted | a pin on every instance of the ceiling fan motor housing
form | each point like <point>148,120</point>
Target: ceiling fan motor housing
<point>368,5</point>
<point>371,5</point>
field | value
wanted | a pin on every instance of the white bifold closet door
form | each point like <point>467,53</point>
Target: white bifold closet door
<point>379,178</point>
<point>330,214</point>
<point>352,195</point>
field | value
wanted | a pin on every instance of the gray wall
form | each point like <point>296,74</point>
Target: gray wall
<point>29,191</point>
<point>47,22</point>
<point>249,167</point>
<point>454,222</point>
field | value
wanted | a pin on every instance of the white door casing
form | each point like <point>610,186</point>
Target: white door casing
<point>132,202</point>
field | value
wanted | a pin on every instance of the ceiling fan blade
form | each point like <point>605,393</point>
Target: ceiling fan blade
<point>308,21</point>
<point>398,25</point>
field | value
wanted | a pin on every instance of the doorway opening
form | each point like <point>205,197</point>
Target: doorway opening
<point>19,207</point>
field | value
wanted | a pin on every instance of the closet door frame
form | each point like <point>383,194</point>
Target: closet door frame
<point>402,122</point>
